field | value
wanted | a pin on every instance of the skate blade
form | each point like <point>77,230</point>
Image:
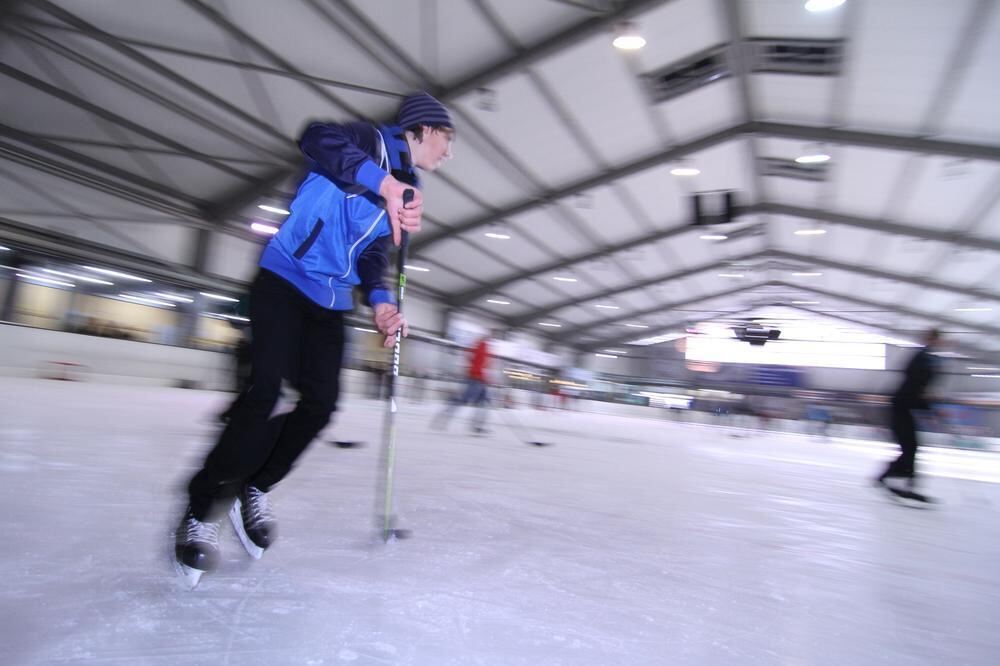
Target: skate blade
<point>236,518</point>
<point>190,577</point>
<point>908,498</point>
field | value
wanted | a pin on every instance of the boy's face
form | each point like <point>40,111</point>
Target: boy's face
<point>434,149</point>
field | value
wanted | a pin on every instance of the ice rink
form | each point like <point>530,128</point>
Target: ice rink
<point>626,541</point>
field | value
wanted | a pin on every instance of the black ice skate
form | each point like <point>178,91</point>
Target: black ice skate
<point>907,496</point>
<point>196,548</point>
<point>253,520</point>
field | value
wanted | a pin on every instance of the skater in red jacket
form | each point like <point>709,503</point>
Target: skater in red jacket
<point>474,391</point>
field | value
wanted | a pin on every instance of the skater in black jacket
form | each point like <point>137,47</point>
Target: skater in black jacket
<point>910,396</point>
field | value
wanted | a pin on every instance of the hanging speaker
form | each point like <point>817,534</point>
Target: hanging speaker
<point>712,208</point>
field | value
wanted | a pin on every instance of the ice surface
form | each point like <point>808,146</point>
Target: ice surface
<point>628,541</point>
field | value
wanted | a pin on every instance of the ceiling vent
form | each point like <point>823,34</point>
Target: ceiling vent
<point>686,75</point>
<point>810,57</point>
<point>775,166</point>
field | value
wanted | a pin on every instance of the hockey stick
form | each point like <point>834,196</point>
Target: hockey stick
<point>518,429</point>
<point>388,458</point>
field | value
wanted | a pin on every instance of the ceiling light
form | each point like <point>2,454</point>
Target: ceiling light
<point>615,351</point>
<point>219,297</point>
<point>731,275</point>
<point>599,355</point>
<point>973,309</point>
<point>142,300</point>
<point>816,158</point>
<point>124,276</point>
<point>549,324</point>
<point>806,274</point>
<point>419,269</point>
<point>637,326</point>
<point>497,301</point>
<point>714,237</point>
<point>173,297</point>
<point>666,337</point>
<point>559,278</point>
<point>822,5</point>
<point>608,307</point>
<point>274,209</point>
<point>74,276</point>
<point>365,330</point>
<point>988,376</point>
<point>627,37</point>
<point>983,369</point>
<point>685,171</point>
<point>810,232</point>
<point>44,280</point>
<point>805,302</point>
<point>261,228</point>
<point>4,249</point>
<point>492,234</point>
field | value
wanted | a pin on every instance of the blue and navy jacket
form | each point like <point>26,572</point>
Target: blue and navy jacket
<point>337,235</point>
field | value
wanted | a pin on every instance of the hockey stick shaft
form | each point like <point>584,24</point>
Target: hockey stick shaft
<point>389,448</point>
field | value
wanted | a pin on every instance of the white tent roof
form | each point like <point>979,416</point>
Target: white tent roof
<point>150,130</point>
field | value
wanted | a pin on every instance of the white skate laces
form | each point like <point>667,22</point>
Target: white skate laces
<point>201,531</point>
<point>258,508</point>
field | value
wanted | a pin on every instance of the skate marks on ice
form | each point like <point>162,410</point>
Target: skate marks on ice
<point>591,552</point>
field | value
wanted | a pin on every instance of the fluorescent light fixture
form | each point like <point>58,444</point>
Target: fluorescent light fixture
<point>627,37</point>
<point>44,280</point>
<point>491,234</point>
<point>365,330</point>
<point>419,269</point>
<point>559,278</point>
<point>73,276</point>
<point>983,368</point>
<point>615,351</point>
<point>731,275</point>
<point>810,232</point>
<point>4,248</point>
<point>685,171</point>
<point>818,158</point>
<point>142,300</point>
<point>637,326</point>
<point>549,324</point>
<point>605,356</point>
<point>666,337</point>
<point>497,301</point>
<point>988,376</point>
<point>973,309</point>
<point>233,317</point>
<point>949,354</point>
<point>262,228</point>
<point>219,297</point>
<point>805,302</point>
<point>608,307</point>
<point>124,276</point>
<point>822,5</point>
<point>274,209</point>
<point>806,274</point>
<point>173,297</point>
<point>714,237</point>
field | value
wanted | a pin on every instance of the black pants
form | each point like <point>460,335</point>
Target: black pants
<point>293,339</point>
<point>904,430</point>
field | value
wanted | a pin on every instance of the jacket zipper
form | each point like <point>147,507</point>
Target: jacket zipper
<point>367,233</point>
<point>384,163</point>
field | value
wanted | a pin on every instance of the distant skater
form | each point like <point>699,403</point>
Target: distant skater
<point>473,392</point>
<point>910,396</point>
